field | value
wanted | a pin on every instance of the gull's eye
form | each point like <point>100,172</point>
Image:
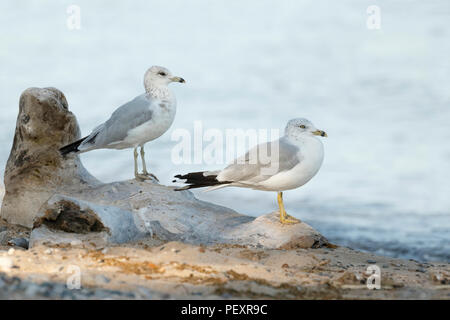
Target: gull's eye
<point>303,126</point>
<point>161,73</point>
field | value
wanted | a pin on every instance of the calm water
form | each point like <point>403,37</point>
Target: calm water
<point>383,96</point>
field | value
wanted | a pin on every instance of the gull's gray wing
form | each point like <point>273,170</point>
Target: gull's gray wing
<point>128,116</point>
<point>252,168</point>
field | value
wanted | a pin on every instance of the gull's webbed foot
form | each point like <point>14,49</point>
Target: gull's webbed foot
<point>151,175</point>
<point>287,219</point>
<point>284,217</point>
<point>291,219</point>
<point>146,176</point>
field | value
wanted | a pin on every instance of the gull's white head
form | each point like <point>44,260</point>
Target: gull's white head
<point>159,76</point>
<point>302,127</point>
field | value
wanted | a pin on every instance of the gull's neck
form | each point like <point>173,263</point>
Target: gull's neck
<point>161,91</point>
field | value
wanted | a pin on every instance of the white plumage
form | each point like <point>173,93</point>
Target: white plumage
<point>294,159</point>
<point>143,119</point>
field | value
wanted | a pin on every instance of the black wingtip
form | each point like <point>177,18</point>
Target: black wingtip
<point>198,180</point>
<point>72,147</point>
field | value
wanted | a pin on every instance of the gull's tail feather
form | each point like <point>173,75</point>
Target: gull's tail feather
<point>199,180</point>
<point>73,147</point>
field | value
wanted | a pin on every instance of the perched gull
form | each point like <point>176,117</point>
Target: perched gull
<point>143,119</point>
<point>297,157</point>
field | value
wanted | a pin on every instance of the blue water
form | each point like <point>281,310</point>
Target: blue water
<point>383,96</point>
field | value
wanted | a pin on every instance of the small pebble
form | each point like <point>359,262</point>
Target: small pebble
<point>19,242</point>
<point>371,261</point>
<point>11,251</point>
<point>48,251</point>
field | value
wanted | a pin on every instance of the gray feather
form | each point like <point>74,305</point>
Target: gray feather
<point>249,168</point>
<point>116,128</point>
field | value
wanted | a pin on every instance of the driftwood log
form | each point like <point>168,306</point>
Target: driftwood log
<point>63,203</point>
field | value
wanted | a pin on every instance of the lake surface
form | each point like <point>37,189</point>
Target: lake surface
<point>383,97</point>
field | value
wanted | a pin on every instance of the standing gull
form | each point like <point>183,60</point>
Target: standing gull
<point>294,159</point>
<point>143,119</point>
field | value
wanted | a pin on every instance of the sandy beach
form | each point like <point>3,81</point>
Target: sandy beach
<point>174,270</point>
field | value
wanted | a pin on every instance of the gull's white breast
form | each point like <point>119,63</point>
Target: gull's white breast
<point>162,118</point>
<point>311,155</point>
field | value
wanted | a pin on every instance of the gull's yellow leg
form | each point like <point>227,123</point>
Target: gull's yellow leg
<point>144,167</point>
<point>136,174</point>
<point>144,175</point>
<point>281,206</point>
<point>284,217</point>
